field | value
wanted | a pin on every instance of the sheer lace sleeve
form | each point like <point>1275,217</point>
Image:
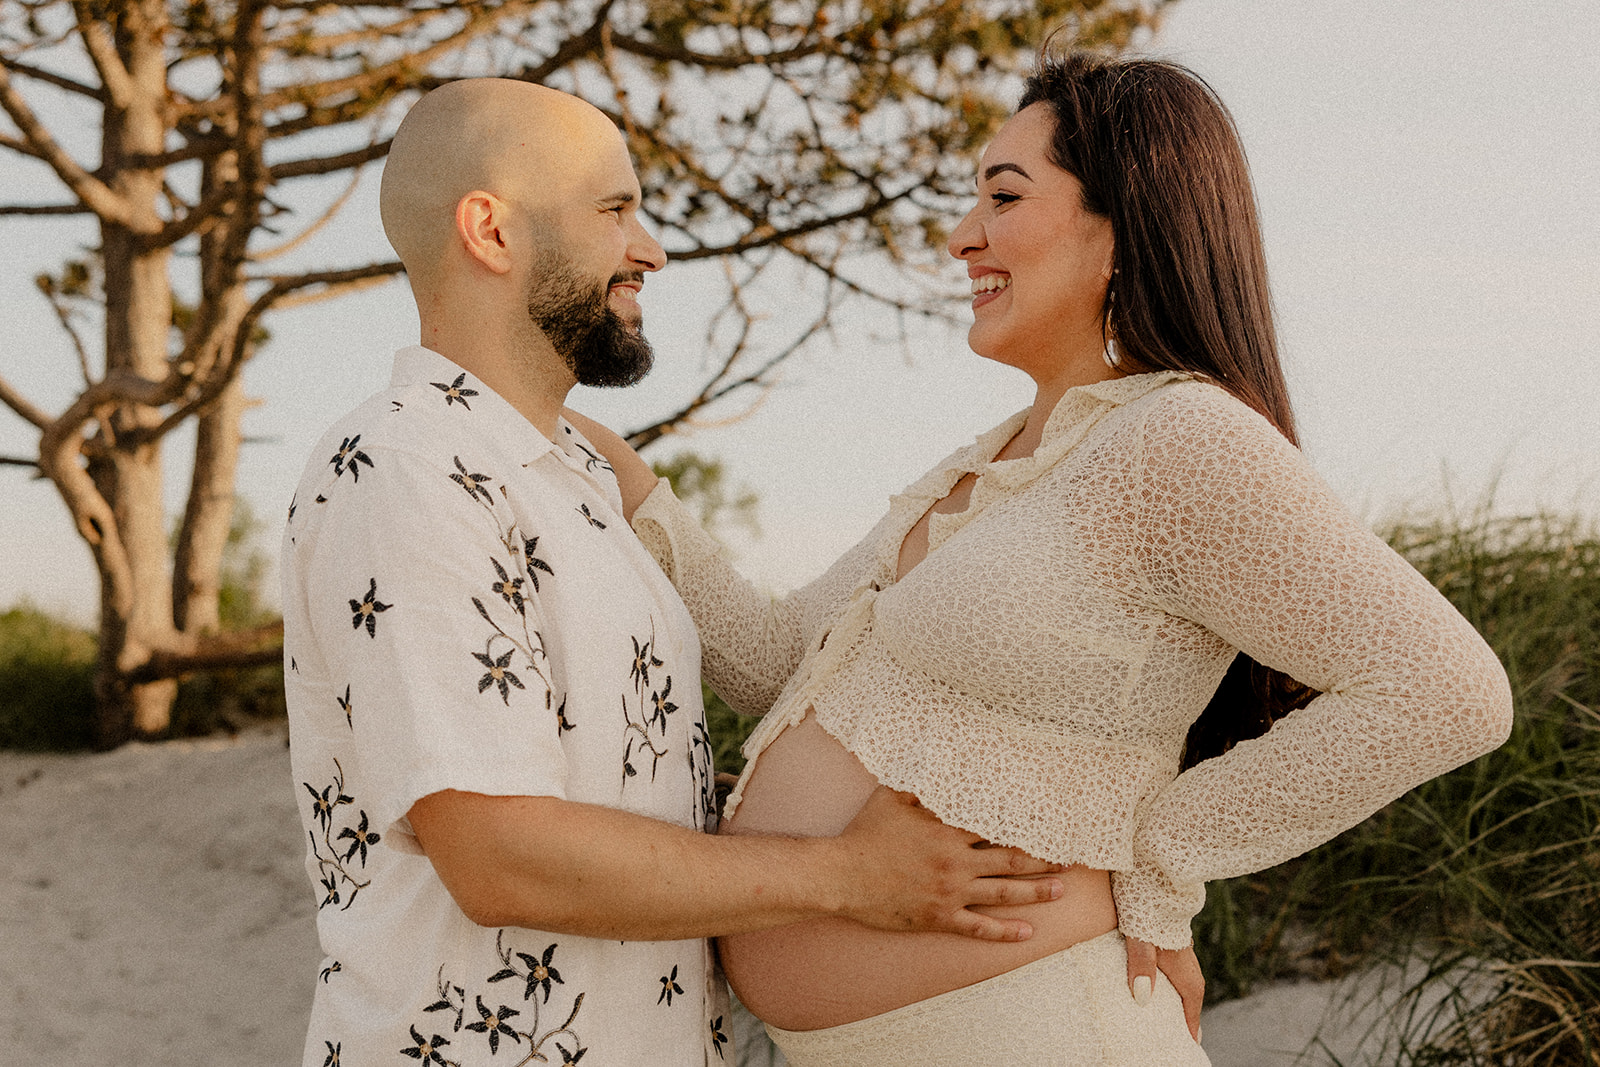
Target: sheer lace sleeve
<point>1235,532</point>
<point>751,642</point>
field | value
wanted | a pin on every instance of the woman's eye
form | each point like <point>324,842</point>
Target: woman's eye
<point>1002,199</point>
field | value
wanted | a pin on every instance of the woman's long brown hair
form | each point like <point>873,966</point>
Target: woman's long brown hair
<point>1157,154</point>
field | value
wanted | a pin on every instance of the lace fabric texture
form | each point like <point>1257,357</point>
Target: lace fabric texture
<point>1034,678</point>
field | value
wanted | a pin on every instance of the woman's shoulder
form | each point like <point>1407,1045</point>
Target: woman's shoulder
<point>1192,411</point>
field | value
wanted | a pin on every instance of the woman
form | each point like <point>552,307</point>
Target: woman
<point>1026,639</point>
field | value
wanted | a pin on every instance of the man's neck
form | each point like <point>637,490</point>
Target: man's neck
<point>530,377</point>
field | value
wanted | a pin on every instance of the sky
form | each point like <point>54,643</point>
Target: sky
<point>1428,175</point>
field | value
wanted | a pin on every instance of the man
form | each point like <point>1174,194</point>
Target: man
<point>494,695</point>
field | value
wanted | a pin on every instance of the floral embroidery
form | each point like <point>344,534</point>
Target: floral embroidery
<point>534,564</point>
<point>669,986</point>
<point>349,458</point>
<point>333,1054</point>
<point>499,674</point>
<point>539,974</point>
<point>718,1038</point>
<point>509,588</point>
<point>335,873</point>
<point>366,610</point>
<point>427,1049</point>
<point>472,483</point>
<point>454,393</point>
<point>494,1024</point>
<point>596,523</point>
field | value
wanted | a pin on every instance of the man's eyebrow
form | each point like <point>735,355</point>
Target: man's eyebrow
<point>1001,168</point>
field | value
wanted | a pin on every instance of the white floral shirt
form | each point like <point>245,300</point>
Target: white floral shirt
<point>465,608</point>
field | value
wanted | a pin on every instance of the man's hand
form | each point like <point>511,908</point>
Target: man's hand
<point>915,873</point>
<point>1182,968</point>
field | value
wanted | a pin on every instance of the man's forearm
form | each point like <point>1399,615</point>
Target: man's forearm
<point>573,868</point>
<point>566,867</point>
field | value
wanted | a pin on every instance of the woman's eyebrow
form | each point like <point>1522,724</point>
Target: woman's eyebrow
<point>1001,168</point>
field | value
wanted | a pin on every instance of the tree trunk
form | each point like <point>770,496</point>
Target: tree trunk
<point>136,597</point>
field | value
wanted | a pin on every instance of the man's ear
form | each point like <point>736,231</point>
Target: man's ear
<point>480,221</point>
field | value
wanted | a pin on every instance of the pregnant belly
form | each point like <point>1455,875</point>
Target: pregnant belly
<point>825,972</point>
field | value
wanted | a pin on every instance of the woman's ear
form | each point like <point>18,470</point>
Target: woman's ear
<point>480,220</point>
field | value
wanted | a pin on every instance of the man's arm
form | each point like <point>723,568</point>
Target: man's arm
<point>566,867</point>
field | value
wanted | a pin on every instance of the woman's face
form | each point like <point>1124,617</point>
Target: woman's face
<point>1038,261</point>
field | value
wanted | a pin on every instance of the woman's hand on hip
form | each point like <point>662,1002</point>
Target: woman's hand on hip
<point>1182,968</point>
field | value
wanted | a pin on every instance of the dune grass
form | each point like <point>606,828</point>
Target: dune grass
<point>1491,873</point>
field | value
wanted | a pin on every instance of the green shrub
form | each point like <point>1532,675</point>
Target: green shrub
<point>46,682</point>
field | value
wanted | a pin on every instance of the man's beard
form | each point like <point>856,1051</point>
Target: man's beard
<point>600,347</point>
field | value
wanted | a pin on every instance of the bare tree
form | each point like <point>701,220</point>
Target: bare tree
<point>807,132</point>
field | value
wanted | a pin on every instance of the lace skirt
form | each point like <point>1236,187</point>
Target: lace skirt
<point>1069,1009</point>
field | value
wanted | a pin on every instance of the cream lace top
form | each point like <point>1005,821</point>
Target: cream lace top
<point>1033,679</point>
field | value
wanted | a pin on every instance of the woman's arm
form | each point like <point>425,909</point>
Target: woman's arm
<point>1237,533</point>
<point>751,642</point>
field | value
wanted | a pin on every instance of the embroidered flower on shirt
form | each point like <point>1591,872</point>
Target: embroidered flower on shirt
<point>509,588</point>
<point>499,674</point>
<point>331,969</point>
<point>529,544</point>
<point>349,458</point>
<point>570,1057</point>
<point>360,838</point>
<point>454,393</point>
<point>427,1049</point>
<point>584,508</point>
<point>344,702</point>
<point>662,706</point>
<point>540,972</point>
<point>472,483</point>
<point>669,986</point>
<point>333,1054</point>
<point>493,1023</point>
<point>366,610</point>
<point>718,1038</point>
<point>642,662</point>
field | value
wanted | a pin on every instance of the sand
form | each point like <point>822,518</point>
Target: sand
<point>154,909</point>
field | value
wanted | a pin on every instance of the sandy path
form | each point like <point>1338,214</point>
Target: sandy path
<point>154,910</point>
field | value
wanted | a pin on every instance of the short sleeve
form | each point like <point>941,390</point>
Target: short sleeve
<point>424,614</point>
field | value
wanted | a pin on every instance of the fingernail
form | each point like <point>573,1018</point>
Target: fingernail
<point>1141,989</point>
<point>1199,1034</point>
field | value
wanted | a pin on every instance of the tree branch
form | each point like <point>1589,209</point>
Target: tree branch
<point>258,647</point>
<point>23,407</point>
<point>95,34</point>
<point>58,80</point>
<point>282,287</point>
<point>300,168</point>
<point>95,194</point>
<point>44,209</point>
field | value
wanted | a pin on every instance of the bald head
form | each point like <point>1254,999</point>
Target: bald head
<point>526,144</point>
